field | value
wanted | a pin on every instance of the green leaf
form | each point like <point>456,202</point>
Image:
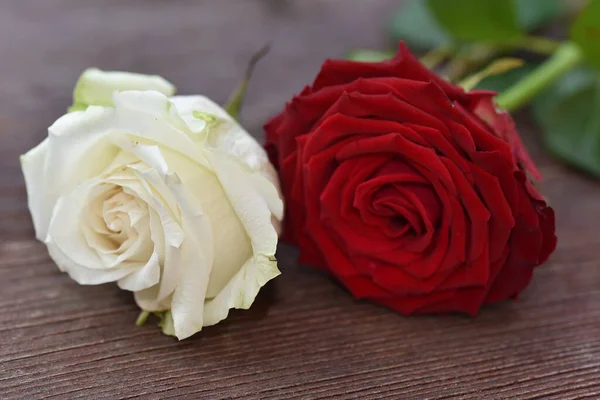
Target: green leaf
<point>367,55</point>
<point>499,83</point>
<point>420,29</point>
<point>586,32</point>
<point>568,114</point>
<point>491,21</point>
<point>414,24</point>
<point>533,14</point>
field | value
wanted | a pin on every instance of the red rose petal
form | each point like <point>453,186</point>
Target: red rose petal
<point>412,192</point>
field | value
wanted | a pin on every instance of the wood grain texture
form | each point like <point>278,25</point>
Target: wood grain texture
<point>305,338</point>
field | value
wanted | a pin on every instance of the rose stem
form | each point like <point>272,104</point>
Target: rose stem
<point>468,59</point>
<point>567,56</point>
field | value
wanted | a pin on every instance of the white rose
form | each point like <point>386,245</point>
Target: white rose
<point>167,196</point>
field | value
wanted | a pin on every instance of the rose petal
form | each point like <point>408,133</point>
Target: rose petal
<point>143,278</point>
<point>96,87</point>
<point>40,208</point>
<point>241,290</point>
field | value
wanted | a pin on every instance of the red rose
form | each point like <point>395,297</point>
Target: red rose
<point>412,192</point>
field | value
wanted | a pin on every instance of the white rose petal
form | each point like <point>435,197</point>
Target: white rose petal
<point>168,197</point>
<point>32,163</point>
<point>96,87</point>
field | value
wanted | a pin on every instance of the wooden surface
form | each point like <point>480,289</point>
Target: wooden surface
<point>305,338</point>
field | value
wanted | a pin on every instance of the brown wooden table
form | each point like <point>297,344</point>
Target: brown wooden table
<point>305,338</point>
